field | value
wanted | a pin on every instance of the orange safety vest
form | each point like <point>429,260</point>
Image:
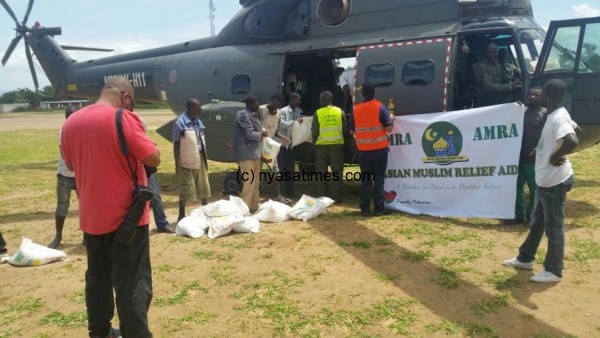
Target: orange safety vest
<point>369,132</point>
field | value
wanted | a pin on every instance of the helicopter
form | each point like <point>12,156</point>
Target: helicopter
<point>422,56</point>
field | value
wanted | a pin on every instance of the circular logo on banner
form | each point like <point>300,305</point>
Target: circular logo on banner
<point>442,143</point>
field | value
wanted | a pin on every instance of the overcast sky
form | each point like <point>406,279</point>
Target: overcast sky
<point>132,25</point>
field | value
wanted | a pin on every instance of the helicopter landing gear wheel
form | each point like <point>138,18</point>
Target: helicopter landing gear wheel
<point>231,183</point>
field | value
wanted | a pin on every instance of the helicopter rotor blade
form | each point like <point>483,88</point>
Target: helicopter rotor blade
<point>31,68</point>
<point>11,48</point>
<point>90,49</point>
<point>46,31</point>
<point>10,12</point>
<point>29,6</point>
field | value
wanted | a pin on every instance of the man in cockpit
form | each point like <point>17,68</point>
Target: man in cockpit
<point>497,87</point>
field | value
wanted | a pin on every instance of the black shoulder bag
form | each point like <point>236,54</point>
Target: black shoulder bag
<point>141,195</point>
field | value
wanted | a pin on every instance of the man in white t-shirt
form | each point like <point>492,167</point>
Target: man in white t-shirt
<point>346,81</point>
<point>65,183</point>
<point>270,117</point>
<point>554,178</point>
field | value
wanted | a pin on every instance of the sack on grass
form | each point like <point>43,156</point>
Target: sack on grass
<point>249,224</point>
<point>194,225</point>
<point>307,208</point>
<point>244,210</point>
<point>301,131</point>
<point>221,208</point>
<point>327,201</point>
<point>31,254</point>
<point>221,226</point>
<point>272,212</point>
<point>269,151</point>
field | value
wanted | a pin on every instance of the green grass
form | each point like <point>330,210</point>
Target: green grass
<point>503,280</point>
<point>418,256</point>
<point>487,306</point>
<point>180,296</point>
<point>448,327</point>
<point>222,275</point>
<point>388,277</point>
<point>361,244</point>
<point>65,321</point>
<point>211,255</point>
<point>200,317</point>
<point>584,250</point>
<point>20,310</point>
<point>448,278</point>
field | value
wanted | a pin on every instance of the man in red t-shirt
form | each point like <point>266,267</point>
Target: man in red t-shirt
<point>90,148</point>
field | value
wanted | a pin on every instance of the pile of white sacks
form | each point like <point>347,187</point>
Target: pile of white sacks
<point>224,216</point>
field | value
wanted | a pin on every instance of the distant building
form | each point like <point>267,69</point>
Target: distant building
<point>8,107</point>
<point>63,104</point>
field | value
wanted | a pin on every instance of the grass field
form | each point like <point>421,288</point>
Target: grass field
<point>339,275</point>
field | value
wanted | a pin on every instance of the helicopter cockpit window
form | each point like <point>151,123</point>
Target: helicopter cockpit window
<point>240,84</point>
<point>563,52</point>
<point>278,19</point>
<point>381,75</point>
<point>590,54</point>
<point>418,73</point>
<point>531,41</point>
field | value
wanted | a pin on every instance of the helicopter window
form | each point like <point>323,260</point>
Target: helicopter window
<point>292,19</point>
<point>240,84</point>
<point>563,52</point>
<point>531,41</point>
<point>380,75</point>
<point>590,58</point>
<point>418,73</point>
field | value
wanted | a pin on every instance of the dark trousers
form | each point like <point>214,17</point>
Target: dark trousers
<point>333,156</point>
<point>2,245</point>
<point>285,160</point>
<point>127,270</point>
<point>372,170</point>
<point>526,176</point>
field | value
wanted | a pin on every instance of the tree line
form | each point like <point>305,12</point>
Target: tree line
<point>26,95</point>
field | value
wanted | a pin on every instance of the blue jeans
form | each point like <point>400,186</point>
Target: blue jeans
<point>548,216</point>
<point>157,204</point>
<point>372,168</point>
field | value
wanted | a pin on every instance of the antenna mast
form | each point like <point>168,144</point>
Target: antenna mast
<point>211,8</point>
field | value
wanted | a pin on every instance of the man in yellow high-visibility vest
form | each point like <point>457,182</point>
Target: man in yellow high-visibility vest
<point>328,129</point>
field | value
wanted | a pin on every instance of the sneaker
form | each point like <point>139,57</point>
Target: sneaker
<point>545,277</point>
<point>515,263</point>
<point>114,333</point>
<point>165,230</point>
<point>4,258</point>
<point>365,213</point>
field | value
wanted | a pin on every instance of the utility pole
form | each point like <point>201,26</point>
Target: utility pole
<point>211,9</point>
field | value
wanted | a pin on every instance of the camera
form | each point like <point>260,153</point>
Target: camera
<point>126,232</point>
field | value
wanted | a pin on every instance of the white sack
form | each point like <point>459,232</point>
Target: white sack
<point>221,226</point>
<point>249,224</point>
<point>301,132</point>
<point>194,225</point>
<point>327,201</point>
<point>273,212</point>
<point>244,210</point>
<point>221,208</point>
<point>269,151</point>
<point>31,254</point>
<point>307,208</point>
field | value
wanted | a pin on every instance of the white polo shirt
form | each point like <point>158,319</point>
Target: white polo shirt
<point>558,125</point>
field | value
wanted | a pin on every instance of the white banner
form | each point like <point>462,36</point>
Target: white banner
<point>459,164</point>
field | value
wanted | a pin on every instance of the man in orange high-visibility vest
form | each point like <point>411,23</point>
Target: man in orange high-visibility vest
<point>370,124</point>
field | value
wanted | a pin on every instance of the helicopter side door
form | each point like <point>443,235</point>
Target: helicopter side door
<point>411,77</point>
<point>571,52</point>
